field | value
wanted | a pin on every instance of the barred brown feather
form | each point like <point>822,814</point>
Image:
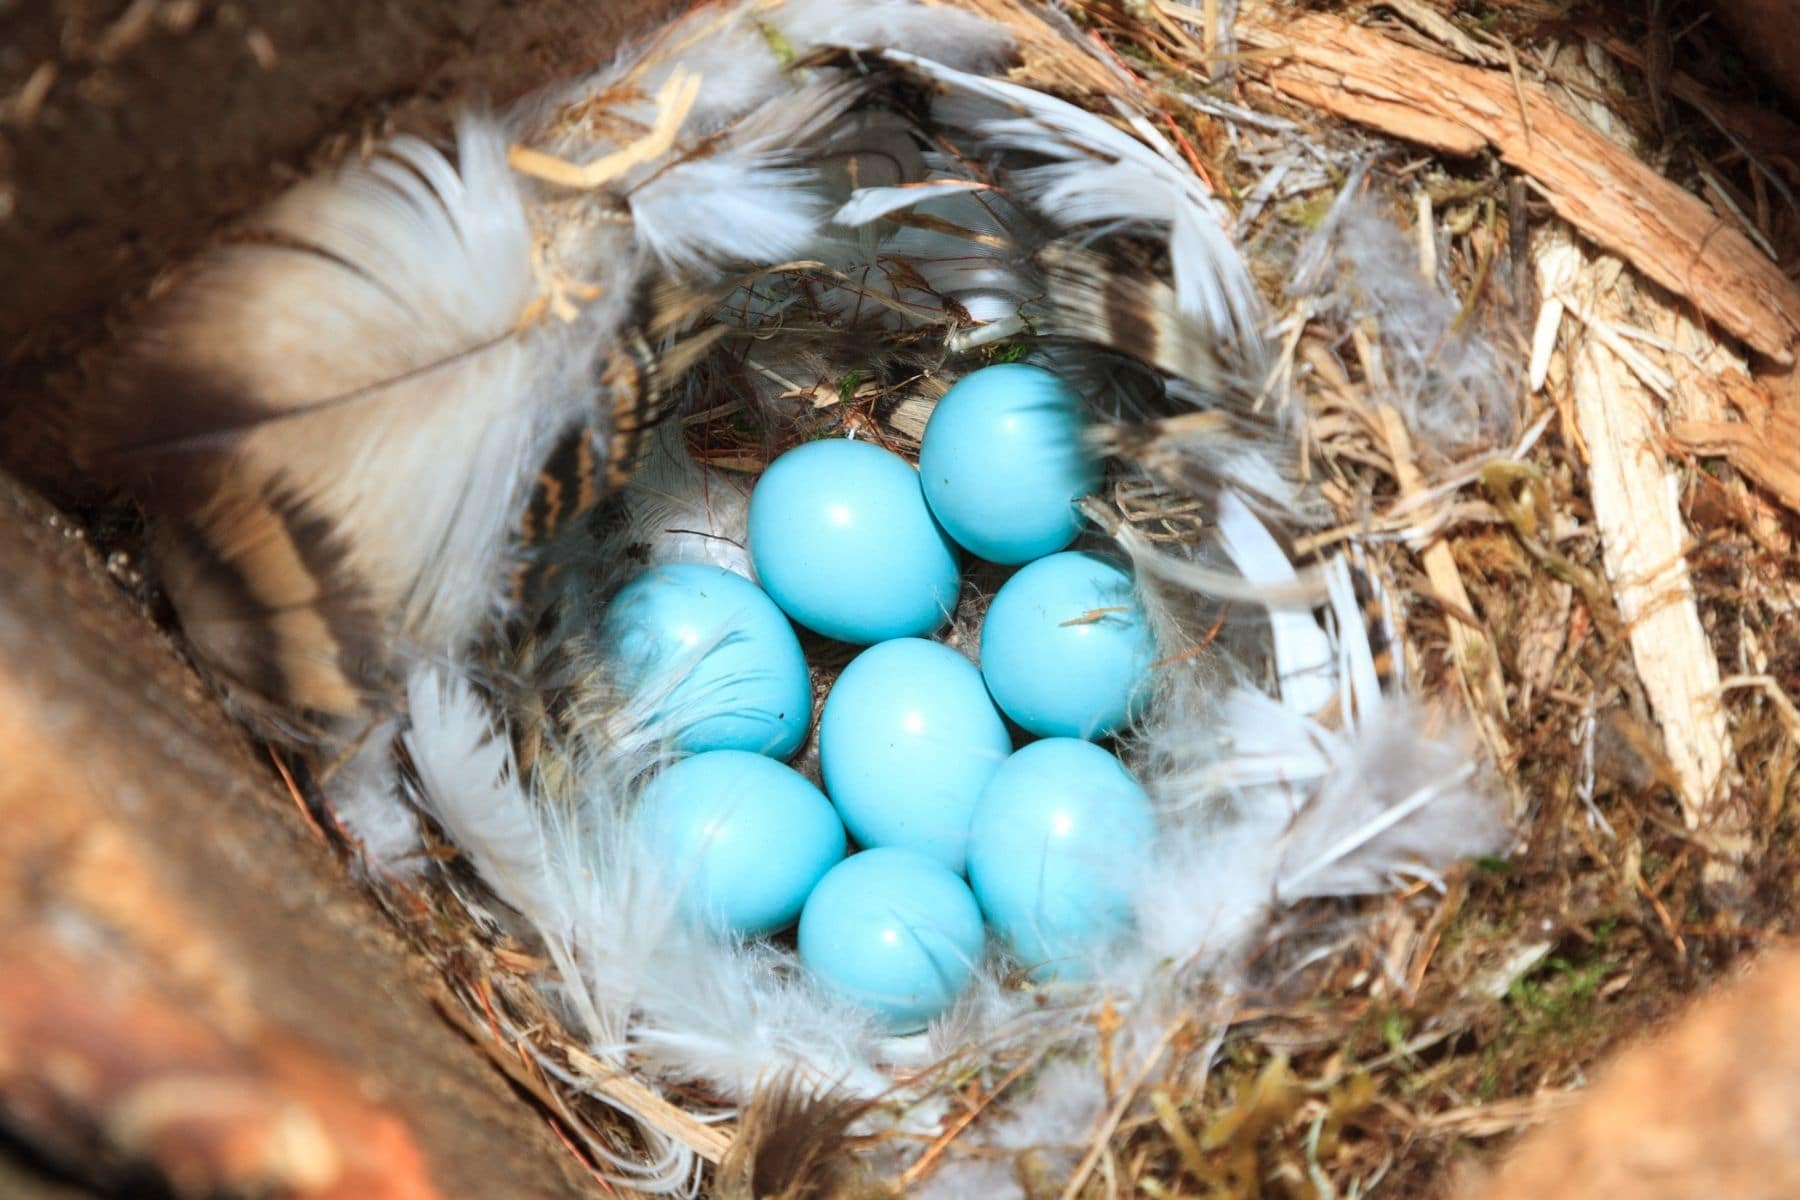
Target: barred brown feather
<point>1088,299</point>
<point>793,1143</point>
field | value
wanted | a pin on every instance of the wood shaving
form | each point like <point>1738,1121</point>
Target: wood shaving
<point>1334,66</point>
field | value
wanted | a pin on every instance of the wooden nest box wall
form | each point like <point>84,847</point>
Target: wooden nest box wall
<point>200,998</point>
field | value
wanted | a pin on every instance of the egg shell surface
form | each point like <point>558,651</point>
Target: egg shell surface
<point>907,740</point>
<point>1060,836</point>
<point>842,539</point>
<point>1065,648</point>
<point>894,930</point>
<point>744,838</point>
<point>735,675</point>
<point>1002,462</point>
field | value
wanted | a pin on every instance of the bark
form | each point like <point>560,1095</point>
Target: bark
<point>1330,65</point>
<point>192,979</point>
<point>1710,1108</point>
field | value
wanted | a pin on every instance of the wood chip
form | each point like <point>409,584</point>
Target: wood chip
<point>1672,237</point>
<point>1760,443</point>
<point>1636,496</point>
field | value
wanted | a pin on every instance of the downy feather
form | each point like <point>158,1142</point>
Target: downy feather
<point>367,800</point>
<point>1097,177</point>
<point>334,423</point>
<point>1456,390</point>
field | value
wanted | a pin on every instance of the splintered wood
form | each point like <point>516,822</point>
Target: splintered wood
<point>1334,66</point>
<point>1636,497</point>
<point>1760,443</point>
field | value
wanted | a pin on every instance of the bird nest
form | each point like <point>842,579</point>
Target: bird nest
<point>1507,379</point>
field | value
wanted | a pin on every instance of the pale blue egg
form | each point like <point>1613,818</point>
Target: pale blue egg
<point>907,740</point>
<point>1060,836</point>
<point>842,539</point>
<point>895,931</point>
<point>1065,648</point>
<point>731,664</point>
<point>1003,463</point>
<point>742,837</point>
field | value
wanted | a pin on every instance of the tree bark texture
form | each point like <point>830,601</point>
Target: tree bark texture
<point>1708,1108</point>
<point>192,980</point>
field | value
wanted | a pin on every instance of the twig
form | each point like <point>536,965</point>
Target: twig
<point>674,101</point>
<point>922,1167</point>
<point>1103,1135</point>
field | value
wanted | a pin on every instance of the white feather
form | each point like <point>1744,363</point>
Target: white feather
<point>732,209</point>
<point>1101,178</point>
<point>680,511</point>
<point>745,201</point>
<point>1264,806</point>
<point>937,32</point>
<point>445,273</point>
<point>366,797</point>
<point>1304,660</point>
<point>472,787</point>
<point>871,203</point>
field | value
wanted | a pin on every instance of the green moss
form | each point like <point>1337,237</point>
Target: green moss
<point>1308,212</point>
<point>1395,1027</point>
<point>1556,1000</point>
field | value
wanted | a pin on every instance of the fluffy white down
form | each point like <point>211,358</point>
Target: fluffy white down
<point>1455,387</point>
<point>384,326</point>
<point>366,799</point>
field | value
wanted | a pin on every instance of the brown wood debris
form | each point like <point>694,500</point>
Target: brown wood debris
<point>1762,443</point>
<point>1711,1108</point>
<point>1334,66</point>
<point>192,983</point>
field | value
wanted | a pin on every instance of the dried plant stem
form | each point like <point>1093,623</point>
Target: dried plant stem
<point>1483,687</point>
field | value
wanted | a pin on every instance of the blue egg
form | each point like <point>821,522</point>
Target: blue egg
<point>1003,463</point>
<point>907,740</point>
<point>732,666</point>
<point>1060,836</point>
<point>1065,649</point>
<point>842,539</point>
<point>895,931</point>
<point>743,837</point>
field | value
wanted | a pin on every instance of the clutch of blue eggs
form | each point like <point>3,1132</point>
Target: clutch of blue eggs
<point>933,828</point>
